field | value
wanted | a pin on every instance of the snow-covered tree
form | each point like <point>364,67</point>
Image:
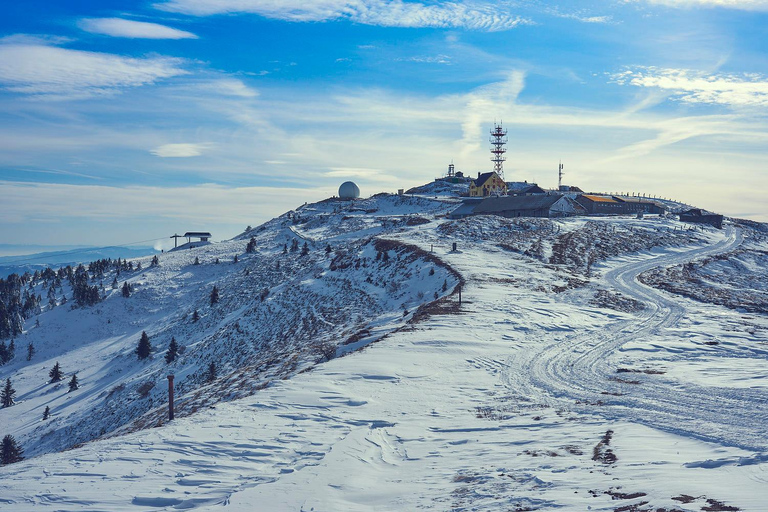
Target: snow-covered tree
<point>214,295</point>
<point>144,347</point>
<point>46,413</point>
<point>210,375</point>
<point>73,384</point>
<point>55,373</point>
<point>173,351</point>
<point>251,247</point>
<point>10,452</point>
<point>7,394</point>
<point>30,351</point>
<point>126,289</point>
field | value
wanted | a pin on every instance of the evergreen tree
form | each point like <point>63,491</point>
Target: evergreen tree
<point>304,249</point>
<point>46,413</point>
<point>195,316</point>
<point>197,261</point>
<point>73,385</point>
<point>216,261</point>
<point>55,373</point>
<point>214,295</point>
<point>3,352</point>
<point>294,245</point>
<point>445,286</point>
<point>173,351</point>
<point>144,347</point>
<point>10,451</point>
<point>251,247</point>
<point>328,249</point>
<point>210,375</point>
<point>126,290</point>
<point>235,259</point>
<point>285,248</point>
<point>114,283</point>
<point>155,260</point>
<point>138,266</point>
<point>30,351</point>
<point>7,394</point>
<point>12,347</point>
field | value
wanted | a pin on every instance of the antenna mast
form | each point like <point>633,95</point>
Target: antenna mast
<point>498,139</point>
<point>560,175</point>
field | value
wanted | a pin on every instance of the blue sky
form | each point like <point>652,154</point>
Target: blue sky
<point>121,123</point>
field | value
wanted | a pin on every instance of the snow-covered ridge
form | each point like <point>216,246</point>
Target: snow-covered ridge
<point>558,383</point>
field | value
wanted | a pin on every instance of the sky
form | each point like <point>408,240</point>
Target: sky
<point>123,122</point>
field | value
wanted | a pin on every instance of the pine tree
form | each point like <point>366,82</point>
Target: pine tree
<point>3,351</point>
<point>12,346</point>
<point>10,451</point>
<point>155,261</point>
<point>73,385</point>
<point>210,375</point>
<point>445,286</point>
<point>197,261</point>
<point>126,290</point>
<point>7,394</point>
<point>173,350</point>
<point>285,248</point>
<point>214,295</point>
<point>251,247</point>
<point>114,283</point>
<point>235,259</point>
<point>305,249</point>
<point>55,373</point>
<point>138,266</point>
<point>328,249</point>
<point>144,347</point>
<point>30,351</point>
<point>195,316</point>
<point>46,413</point>
<point>294,245</point>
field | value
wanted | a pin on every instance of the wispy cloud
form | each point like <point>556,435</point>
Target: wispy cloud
<point>431,59</point>
<point>51,72</point>
<point>119,27</point>
<point>181,150</point>
<point>689,86</point>
<point>747,5</point>
<point>388,13</point>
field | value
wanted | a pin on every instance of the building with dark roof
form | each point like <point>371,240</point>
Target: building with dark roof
<point>547,206</point>
<point>697,216</point>
<point>487,184</point>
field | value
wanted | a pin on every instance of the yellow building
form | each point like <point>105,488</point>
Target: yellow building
<point>487,184</point>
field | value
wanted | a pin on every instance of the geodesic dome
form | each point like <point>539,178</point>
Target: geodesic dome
<point>348,190</point>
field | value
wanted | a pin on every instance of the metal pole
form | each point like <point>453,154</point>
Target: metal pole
<point>170,397</point>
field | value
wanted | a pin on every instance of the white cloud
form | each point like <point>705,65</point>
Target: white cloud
<point>59,73</point>
<point>745,90</point>
<point>747,5</point>
<point>435,59</point>
<point>228,87</point>
<point>389,13</point>
<point>119,27</point>
<point>183,150</point>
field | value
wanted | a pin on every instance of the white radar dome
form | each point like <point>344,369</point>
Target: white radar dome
<point>348,190</point>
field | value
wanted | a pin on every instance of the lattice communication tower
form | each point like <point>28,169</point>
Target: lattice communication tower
<point>498,139</point>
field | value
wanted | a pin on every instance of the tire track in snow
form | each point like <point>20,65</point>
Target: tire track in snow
<point>579,369</point>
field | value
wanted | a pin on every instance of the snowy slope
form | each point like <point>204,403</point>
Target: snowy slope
<point>559,383</point>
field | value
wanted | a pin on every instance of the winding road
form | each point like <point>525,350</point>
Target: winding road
<point>579,372</point>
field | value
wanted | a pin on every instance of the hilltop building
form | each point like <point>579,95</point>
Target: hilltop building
<point>487,184</point>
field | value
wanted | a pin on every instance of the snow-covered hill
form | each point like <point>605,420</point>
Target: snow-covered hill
<point>560,382</point>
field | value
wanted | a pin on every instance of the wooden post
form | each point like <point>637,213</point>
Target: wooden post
<point>170,396</point>
<point>459,294</point>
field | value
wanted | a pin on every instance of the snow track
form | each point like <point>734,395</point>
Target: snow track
<point>582,368</point>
